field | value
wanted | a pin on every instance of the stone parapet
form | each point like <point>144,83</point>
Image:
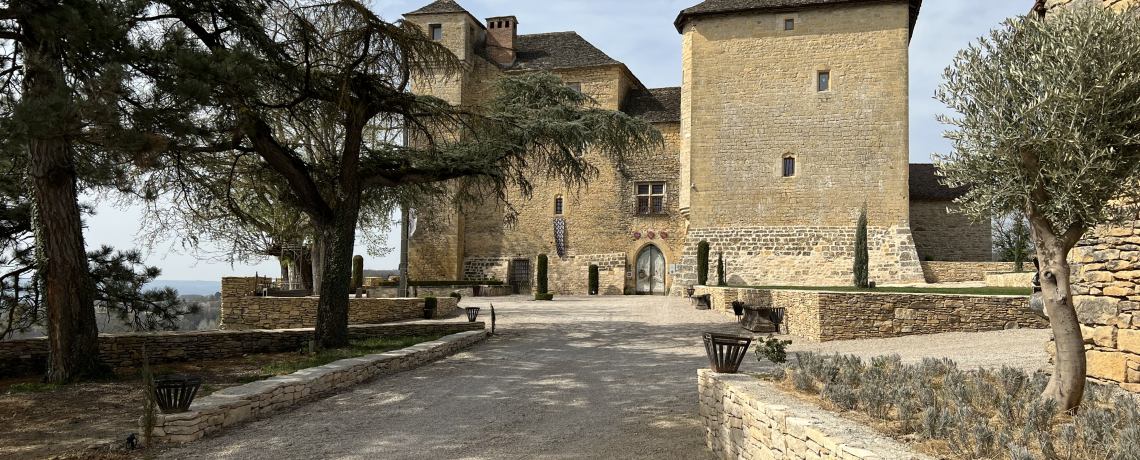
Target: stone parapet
<point>958,272</point>
<point>747,419</point>
<point>824,316</point>
<point>29,356</point>
<point>236,404</point>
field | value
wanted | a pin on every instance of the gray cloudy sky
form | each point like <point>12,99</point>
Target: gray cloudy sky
<point>639,33</point>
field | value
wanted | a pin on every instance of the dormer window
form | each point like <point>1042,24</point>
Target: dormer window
<point>437,32</point>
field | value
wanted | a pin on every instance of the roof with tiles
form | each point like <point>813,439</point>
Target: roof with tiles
<point>558,50</point>
<point>710,7</point>
<point>440,7</point>
<point>659,105</point>
<point>926,184</point>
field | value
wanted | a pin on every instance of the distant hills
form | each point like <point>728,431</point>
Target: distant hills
<point>185,287</point>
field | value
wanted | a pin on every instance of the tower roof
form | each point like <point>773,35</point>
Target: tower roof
<point>711,7</point>
<point>440,7</point>
<point>658,105</point>
<point>557,50</point>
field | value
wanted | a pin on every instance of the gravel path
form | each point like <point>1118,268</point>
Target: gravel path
<point>577,378</point>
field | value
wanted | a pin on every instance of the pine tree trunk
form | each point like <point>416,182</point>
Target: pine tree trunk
<point>1067,384</point>
<point>72,331</point>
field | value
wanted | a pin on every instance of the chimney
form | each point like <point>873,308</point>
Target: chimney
<point>502,33</point>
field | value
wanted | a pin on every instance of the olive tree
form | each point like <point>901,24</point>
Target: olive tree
<point>1048,124</point>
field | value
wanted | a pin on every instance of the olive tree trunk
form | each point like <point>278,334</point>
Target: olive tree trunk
<point>71,329</point>
<point>1067,385</point>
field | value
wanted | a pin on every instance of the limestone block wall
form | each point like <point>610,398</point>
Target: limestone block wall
<point>799,256</point>
<point>571,275</point>
<point>29,356</point>
<point>1051,4</point>
<point>957,272</point>
<point>824,316</point>
<point>1016,280</point>
<point>251,312</point>
<point>237,404</point>
<point>946,236</point>
<point>747,419</point>
<point>1105,275</point>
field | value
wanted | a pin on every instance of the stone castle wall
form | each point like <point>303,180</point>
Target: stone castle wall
<point>957,272</point>
<point>824,316</point>
<point>944,236</point>
<point>29,356</point>
<point>1117,4</point>
<point>799,256</point>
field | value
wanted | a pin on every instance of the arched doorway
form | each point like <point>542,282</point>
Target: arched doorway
<point>650,274</point>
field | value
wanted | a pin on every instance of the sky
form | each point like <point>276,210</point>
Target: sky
<point>639,33</point>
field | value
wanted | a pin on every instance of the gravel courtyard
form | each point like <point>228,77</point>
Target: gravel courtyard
<point>577,378</point>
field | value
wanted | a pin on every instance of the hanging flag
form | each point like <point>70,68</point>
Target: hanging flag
<point>560,236</point>
<point>413,219</point>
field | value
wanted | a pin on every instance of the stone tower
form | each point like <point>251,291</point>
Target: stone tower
<point>793,117</point>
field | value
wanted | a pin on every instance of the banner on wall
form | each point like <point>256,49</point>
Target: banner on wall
<point>560,236</point>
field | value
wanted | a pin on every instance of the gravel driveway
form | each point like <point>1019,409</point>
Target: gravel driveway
<point>577,378</point>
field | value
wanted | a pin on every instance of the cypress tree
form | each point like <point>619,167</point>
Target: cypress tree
<point>542,286</point>
<point>593,280</point>
<point>720,278</point>
<point>702,262</point>
<point>861,268</point>
<point>357,272</point>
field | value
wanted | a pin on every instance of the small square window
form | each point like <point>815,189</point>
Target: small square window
<point>558,205</point>
<point>825,81</point>
<point>437,32</point>
<point>576,86</point>
<point>789,24</point>
<point>651,198</point>
<point>789,167</point>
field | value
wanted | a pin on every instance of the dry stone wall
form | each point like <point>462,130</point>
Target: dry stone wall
<point>957,272</point>
<point>823,316</point>
<point>945,236</point>
<point>236,404</point>
<point>1105,269</point>
<point>252,312</point>
<point>29,356</point>
<point>746,419</point>
<point>799,256</point>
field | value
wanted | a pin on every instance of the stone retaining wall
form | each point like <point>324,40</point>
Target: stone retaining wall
<point>824,316</point>
<point>1012,280</point>
<point>747,419</point>
<point>957,272</point>
<point>236,404</point>
<point>252,312</point>
<point>29,356</point>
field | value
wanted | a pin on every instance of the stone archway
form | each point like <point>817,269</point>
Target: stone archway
<point>650,271</point>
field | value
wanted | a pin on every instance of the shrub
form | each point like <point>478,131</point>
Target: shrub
<point>628,291</point>
<point>775,350</point>
<point>593,288</point>
<point>544,297</point>
<point>431,302</point>
<point>702,262</point>
<point>977,414</point>
<point>458,296</point>
<point>542,285</point>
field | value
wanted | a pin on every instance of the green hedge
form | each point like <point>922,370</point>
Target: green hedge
<point>444,283</point>
<point>544,297</point>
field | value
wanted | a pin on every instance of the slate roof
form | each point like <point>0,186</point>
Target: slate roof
<point>557,50</point>
<point>926,185</point>
<point>659,105</point>
<point>709,7</point>
<point>440,7</point>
